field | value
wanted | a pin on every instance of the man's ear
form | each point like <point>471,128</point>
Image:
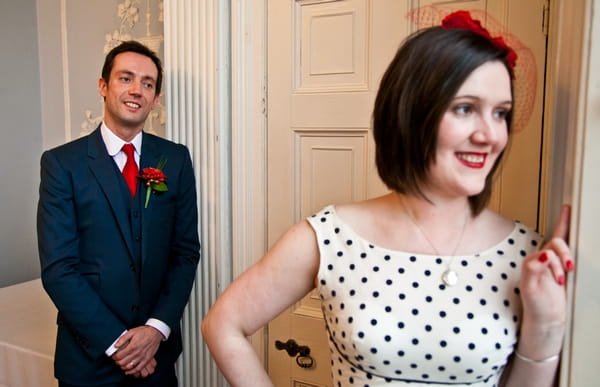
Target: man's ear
<point>102,86</point>
<point>156,100</point>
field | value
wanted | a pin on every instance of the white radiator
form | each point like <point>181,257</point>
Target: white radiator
<point>198,115</point>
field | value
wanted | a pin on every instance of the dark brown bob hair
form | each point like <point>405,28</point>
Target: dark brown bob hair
<point>138,48</point>
<point>415,92</point>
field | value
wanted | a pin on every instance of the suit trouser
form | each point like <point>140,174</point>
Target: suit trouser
<point>162,378</point>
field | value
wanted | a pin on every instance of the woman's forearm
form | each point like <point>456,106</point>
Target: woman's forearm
<point>537,356</point>
<point>234,356</point>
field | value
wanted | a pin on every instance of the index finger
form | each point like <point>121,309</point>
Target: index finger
<point>123,340</point>
<point>562,227</point>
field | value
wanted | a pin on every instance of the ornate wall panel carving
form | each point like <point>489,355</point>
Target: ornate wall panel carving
<point>89,30</point>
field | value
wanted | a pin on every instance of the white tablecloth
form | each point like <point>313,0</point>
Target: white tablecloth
<point>27,336</point>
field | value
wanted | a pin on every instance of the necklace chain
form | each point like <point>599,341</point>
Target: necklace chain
<point>449,277</point>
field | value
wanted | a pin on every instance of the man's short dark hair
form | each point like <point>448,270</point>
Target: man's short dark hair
<point>415,91</point>
<point>139,48</point>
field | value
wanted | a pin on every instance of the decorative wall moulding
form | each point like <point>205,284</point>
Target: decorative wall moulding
<point>129,14</point>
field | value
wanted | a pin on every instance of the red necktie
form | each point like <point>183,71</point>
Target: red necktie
<point>130,170</point>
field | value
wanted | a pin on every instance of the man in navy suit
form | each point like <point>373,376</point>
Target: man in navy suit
<point>119,264</point>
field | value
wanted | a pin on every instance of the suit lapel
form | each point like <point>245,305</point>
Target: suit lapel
<point>103,169</point>
<point>151,155</point>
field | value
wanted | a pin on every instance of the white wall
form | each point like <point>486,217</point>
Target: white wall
<point>21,144</point>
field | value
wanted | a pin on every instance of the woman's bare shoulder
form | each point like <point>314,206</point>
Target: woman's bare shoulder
<point>491,227</point>
<point>492,219</point>
<point>363,211</point>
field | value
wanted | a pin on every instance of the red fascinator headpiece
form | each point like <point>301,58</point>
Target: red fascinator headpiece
<point>463,20</point>
<point>524,75</point>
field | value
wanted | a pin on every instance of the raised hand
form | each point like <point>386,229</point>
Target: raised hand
<point>543,293</point>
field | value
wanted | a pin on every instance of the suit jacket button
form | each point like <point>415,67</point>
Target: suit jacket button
<point>138,238</point>
<point>132,267</point>
<point>136,214</point>
<point>134,308</point>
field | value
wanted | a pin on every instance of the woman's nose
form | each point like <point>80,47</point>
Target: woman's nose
<point>488,131</point>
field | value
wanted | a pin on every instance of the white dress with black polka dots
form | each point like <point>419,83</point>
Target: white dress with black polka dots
<point>391,320</point>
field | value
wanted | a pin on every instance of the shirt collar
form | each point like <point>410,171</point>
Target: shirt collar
<point>114,143</point>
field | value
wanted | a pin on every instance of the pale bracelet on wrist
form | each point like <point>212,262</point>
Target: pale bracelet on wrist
<point>529,360</point>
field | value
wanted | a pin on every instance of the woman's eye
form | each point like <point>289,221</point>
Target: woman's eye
<point>501,113</point>
<point>463,109</point>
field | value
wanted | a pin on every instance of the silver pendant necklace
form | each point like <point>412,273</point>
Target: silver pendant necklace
<point>449,276</point>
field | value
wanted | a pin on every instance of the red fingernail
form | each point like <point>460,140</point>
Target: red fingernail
<point>570,265</point>
<point>543,257</point>
<point>561,279</point>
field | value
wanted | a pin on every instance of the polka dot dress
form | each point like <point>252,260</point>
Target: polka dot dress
<point>392,321</point>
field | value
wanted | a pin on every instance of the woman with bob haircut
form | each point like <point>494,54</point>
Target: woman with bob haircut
<point>424,285</point>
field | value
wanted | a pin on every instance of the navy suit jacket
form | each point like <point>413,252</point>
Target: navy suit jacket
<point>103,274</point>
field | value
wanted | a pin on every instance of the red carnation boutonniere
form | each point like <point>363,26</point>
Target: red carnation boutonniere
<point>154,179</point>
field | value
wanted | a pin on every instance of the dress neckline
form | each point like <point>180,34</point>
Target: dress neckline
<point>514,231</point>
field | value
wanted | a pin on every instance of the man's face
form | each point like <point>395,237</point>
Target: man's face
<point>130,93</point>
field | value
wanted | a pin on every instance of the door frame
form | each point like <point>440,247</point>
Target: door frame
<point>249,141</point>
<point>570,175</point>
<point>563,156</point>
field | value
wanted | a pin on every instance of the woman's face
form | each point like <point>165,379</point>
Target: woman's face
<point>472,133</point>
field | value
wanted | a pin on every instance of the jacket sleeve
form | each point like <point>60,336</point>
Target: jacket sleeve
<point>184,250</point>
<point>88,319</point>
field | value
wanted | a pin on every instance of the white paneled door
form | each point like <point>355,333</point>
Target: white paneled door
<point>325,60</point>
